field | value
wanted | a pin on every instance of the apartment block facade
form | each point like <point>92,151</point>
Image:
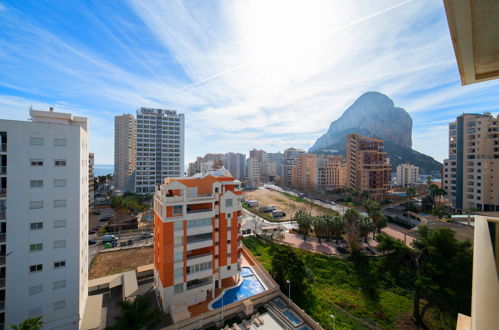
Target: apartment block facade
<point>368,169</point>
<point>91,193</point>
<point>276,158</point>
<point>304,174</point>
<point>125,148</point>
<point>407,174</point>
<point>473,164</point>
<point>331,172</point>
<point>44,201</point>
<point>160,148</point>
<point>253,169</point>
<point>289,160</point>
<point>196,237</point>
<point>235,163</point>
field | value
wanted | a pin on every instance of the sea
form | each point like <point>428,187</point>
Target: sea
<point>103,169</point>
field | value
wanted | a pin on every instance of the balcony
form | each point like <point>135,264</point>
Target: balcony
<point>3,147</point>
<point>200,197</point>
<point>3,215</point>
<point>3,192</point>
<point>3,170</point>
<point>2,238</point>
<point>199,283</point>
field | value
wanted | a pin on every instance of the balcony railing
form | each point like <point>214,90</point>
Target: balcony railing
<point>2,260</point>
<point>2,238</point>
<point>2,305</point>
<point>199,256</point>
<point>3,147</point>
<point>199,211</point>
<point>2,282</point>
<point>3,192</point>
<point>3,169</point>
<point>3,215</point>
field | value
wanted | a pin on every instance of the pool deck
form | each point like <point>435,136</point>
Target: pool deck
<point>227,283</point>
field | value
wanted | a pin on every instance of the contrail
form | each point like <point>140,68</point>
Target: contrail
<point>336,29</point>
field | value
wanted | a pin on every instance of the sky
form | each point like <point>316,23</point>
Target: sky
<point>265,74</point>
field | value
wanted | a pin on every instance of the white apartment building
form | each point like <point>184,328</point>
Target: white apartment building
<point>91,192</point>
<point>276,158</point>
<point>160,148</point>
<point>196,238</point>
<point>289,161</point>
<point>44,219</point>
<point>253,168</point>
<point>125,146</point>
<point>235,163</point>
<point>407,174</point>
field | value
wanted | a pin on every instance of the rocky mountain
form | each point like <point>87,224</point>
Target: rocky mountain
<point>374,114</point>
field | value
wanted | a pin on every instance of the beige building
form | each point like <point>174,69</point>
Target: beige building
<point>304,173</point>
<point>407,174</point>
<point>125,146</point>
<point>368,169</point>
<point>289,161</point>
<point>473,164</point>
<point>253,168</point>
<point>331,172</point>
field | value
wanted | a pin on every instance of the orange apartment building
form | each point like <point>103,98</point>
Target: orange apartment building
<point>196,238</point>
<point>304,173</point>
<point>332,172</point>
<point>368,168</point>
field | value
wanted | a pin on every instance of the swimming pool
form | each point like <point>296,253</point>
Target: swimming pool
<point>249,287</point>
<point>292,317</point>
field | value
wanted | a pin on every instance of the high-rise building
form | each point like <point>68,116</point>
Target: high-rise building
<point>473,164</point>
<point>258,154</point>
<point>235,163</point>
<point>253,169</point>
<point>290,157</point>
<point>195,166</point>
<point>125,147</point>
<point>407,174</point>
<point>332,172</point>
<point>276,158</point>
<point>91,162</point>
<point>368,169</point>
<point>304,173</point>
<point>160,148</point>
<point>44,219</point>
<point>196,238</point>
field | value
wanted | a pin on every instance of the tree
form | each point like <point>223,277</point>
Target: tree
<point>410,192</point>
<point>32,323</point>
<point>136,315</point>
<point>373,210</point>
<point>304,223</point>
<point>366,226</point>
<point>439,212</point>
<point>438,269</point>
<point>336,226</point>
<point>320,228</point>
<point>287,266</point>
<point>352,229</point>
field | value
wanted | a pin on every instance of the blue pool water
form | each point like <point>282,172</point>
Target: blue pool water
<point>250,287</point>
<point>295,319</point>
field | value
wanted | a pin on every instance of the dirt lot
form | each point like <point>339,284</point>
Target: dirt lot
<point>108,263</point>
<point>282,202</point>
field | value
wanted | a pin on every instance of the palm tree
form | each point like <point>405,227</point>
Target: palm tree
<point>374,212</point>
<point>410,192</point>
<point>136,315</point>
<point>33,323</point>
<point>304,223</point>
<point>337,226</point>
<point>320,227</point>
<point>352,217</point>
<point>366,225</point>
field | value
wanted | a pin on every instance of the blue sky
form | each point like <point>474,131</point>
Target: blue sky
<point>266,74</point>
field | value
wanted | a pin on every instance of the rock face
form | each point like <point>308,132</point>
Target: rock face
<point>374,114</point>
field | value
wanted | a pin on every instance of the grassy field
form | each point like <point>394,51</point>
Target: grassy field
<point>351,290</point>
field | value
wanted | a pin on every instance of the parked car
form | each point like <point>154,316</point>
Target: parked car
<point>129,242</point>
<point>109,239</point>
<point>103,219</point>
<point>146,235</point>
<point>278,213</point>
<point>96,212</point>
<point>252,203</point>
<point>92,231</point>
<point>92,242</point>
<point>267,208</point>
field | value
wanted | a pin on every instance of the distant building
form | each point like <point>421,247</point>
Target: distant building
<point>91,193</point>
<point>407,174</point>
<point>332,172</point>
<point>471,173</point>
<point>125,148</point>
<point>304,173</point>
<point>196,238</point>
<point>160,148</point>
<point>195,167</point>
<point>290,157</point>
<point>253,168</point>
<point>235,163</point>
<point>368,169</point>
<point>44,219</point>
<point>276,158</point>
<point>260,155</point>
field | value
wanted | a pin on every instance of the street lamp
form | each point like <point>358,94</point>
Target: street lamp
<point>289,292</point>
<point>334,321</point>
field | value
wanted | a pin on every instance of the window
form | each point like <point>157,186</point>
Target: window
<point>36,247</point>
<point>60,264</point>
<point>36,204</point>
<point>60,223</point>
<point>179,225</point>
<point>36,141</point>
<point>216,190</point>
<point>177,209</point>
<point>60,203</point>
<point>228,203</point>
<point>178,272</point>
<point>60,162</point>
<point>36,289</point>
<point>179,256</point>
<point>59,244</point>
<point>199,267</point>
<point>199,223</point>
<point>59,284</point>
<point>60,183</point>
<point>229,215</point>
<point>228,267</point>
<point>36,162</point>
<point>178,241</point>
<point>36,225</point>
<point>60,142</point>
<point>35,268</point>
<point>178,288</point>
<point>36,183</point>
<point>59,304</point>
